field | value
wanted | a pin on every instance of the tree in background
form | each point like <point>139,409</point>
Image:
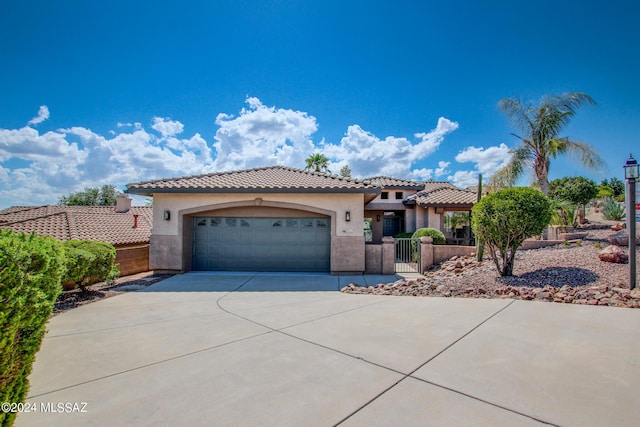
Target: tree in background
<point>615,184</point>
<point>92,196</point>
<point>503,220</point>
<point>576,189</point>
<point>345,171</point>
<point>318,163</point>
<point>541,141</point>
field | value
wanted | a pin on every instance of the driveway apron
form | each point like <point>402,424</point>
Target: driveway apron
<point>288,349</point>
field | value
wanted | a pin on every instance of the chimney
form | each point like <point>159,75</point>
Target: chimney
<point>123,204</point>
<point>135,220</point>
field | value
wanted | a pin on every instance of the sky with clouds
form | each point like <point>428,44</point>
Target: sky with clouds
<point>401,90</point>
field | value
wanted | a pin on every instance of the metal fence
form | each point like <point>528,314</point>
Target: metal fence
<point>407,255</point>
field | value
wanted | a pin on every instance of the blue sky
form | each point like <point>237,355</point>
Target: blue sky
<point>114,92</point>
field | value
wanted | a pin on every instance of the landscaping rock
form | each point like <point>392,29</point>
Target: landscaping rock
<point>621,238</point>
<point>613,254</point>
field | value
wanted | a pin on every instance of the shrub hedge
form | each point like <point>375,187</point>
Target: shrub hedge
<point>89,262</point>
<point>436,235</point>
<point>31,268</point>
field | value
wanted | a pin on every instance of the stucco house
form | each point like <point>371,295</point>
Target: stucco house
<point>284,219</point>
<point>126,227</point>
<point>265,219</point>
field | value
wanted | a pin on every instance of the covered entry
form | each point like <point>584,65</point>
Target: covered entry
<point>261,244</point>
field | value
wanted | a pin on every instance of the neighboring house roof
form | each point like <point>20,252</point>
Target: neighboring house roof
<point>274,179</point>
<point>396,183</point>
<point>445,197</point>
<point>100,223</point>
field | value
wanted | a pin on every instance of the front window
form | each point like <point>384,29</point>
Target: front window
<point>457,228</point>
<point>384,195</point>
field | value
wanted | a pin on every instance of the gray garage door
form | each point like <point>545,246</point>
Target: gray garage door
<point>261,244</point>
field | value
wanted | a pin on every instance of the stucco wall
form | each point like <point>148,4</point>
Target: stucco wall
<point>171,244</point>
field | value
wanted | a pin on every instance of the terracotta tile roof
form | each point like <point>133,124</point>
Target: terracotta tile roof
<point>436,185</point>
<point>268,180</point>
<point>100,223</point>
<point>445,196</point>
<point>389,182</point>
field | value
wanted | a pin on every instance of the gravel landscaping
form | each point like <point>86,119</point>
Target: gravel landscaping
<point>567,273</point>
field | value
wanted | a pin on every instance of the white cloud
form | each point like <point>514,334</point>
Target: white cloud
<point>67,160</point>
<point>167,127</point>
<point>262,136</point>
<point>425,174</point>
<point>464,179</point>
<point>38,168</point>
<point>368,155</point>
<point>43,114</point>
<point>487,161</point>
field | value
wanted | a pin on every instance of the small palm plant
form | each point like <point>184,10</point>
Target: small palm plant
<point>318,163</point>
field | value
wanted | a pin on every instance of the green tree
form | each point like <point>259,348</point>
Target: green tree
<point>345,171</point>
<point>318,163</point>
<point>541,141</point>
<point>503,220</point>
<point>576,189</point>
<point>615,184</point>
<point>92,196</point>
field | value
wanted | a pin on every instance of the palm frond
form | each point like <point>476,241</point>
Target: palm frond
<point>508,175</point>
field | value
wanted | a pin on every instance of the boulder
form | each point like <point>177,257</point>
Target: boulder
<point>621,238</point>
<point>613,254</point>
<point>619,226</point>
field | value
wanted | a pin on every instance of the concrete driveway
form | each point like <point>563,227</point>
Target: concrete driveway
<point>256,350</point>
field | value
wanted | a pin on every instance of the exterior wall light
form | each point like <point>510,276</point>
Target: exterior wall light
<point>167,215</point>
<point>378,218</point>
<point>347,216</point>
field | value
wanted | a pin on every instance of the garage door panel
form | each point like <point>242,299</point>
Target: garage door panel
<point>261,244</point>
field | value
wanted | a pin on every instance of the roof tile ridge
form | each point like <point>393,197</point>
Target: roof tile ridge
<point>35,218</point>
<point>71,226</point>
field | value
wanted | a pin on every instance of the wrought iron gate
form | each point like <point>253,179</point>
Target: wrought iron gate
<point>407,255</point>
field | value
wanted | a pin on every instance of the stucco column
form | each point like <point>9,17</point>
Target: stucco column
<point>426,252</point>
<point>388,256</point>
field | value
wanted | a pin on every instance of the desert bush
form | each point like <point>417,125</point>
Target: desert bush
<point>31,268</point>
<point>436,235</point>
<point>503,220</point>
<point>89,262</point>
<point>612,210</point>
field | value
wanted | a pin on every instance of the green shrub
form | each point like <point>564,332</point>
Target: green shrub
<point>604,191</point>
<point>503,220</point>
<point>436,235</point>
<point>31,268</point>
<point>612,210</point>
<point>403,235</point>
<point>89,262</point>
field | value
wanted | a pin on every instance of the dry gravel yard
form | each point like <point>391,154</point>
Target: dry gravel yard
<point>570,273</point>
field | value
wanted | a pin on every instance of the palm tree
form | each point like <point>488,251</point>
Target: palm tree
<point>542,125</point>
<point>317,162</point>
